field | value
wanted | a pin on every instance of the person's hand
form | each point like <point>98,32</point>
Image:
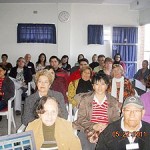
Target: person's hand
<point>1,93</point>
<point>92,136</point>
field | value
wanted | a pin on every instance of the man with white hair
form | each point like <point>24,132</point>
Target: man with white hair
<point>129,132</point>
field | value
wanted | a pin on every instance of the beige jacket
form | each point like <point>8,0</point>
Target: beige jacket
<point>64,134</point>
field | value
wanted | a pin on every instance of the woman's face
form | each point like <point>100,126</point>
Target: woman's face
<point>86,74</point>
<point>144,65</point>
<point>64,60</point>
<point>43,84</point>
<point>2,73</point>
<point>117,58</point>
<point>100,87</point>
<point>21,63</point>
<point>42,58</point>
<point>50,114</point>
<point>80,57</point>
<point>117,72</point>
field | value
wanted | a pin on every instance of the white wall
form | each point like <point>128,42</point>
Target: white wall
<point>71,36</point>
<point>144,17</point>
<point>84,14</point>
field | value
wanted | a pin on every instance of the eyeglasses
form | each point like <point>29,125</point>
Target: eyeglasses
<point>135,111</point>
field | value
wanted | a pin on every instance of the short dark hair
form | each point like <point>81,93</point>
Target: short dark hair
<point>100,76</point>
<point>4,55</point>
<point>54,57</point>
<point>83,59</point>
<point>99,56</point>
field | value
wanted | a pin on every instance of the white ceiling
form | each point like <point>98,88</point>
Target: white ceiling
<point>69,1</point>
<point>133,4</point>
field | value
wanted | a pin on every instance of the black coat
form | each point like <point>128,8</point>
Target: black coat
<point>113,137</point>
<point>26,72</point>
<point>30,65</point>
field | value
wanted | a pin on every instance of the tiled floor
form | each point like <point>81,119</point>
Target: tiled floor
<point>4,124</point>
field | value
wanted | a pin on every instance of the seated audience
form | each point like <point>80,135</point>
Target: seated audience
<point>120,87</point>
<point>145,98</point>
<point>44,80</point>
<point>7,88</point>
<point>64,63</point>
<point>96,110</point>
<point>129,132</point>
<point>142,75</point>
<point>117,60</point>
<point>21,76</point>
<point>94,61</point>
<point>41,63</point>
<point>62,88</point>
<point>81,85</point>
<point>29,64</point>
<point>76,74</point>
<point>101,59</point>
<point>4,62</point>
<point>49,130</point>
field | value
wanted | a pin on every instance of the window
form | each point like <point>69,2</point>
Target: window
<point>124,42</point>
<point>36,33</point>
<point>95,34</point>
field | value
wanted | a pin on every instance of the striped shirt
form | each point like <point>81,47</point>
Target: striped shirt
<point>99,113</point>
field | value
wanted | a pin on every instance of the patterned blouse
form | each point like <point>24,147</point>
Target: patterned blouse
<point>128,89</point>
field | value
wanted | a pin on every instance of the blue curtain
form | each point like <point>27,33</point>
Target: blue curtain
<point>36,33</point>
<point>95,34</point>
<point>125,35</point>
<point>124,43</point>
<point>128,55</point>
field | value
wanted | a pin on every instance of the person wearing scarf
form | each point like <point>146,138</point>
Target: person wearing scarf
<point>120,87</point>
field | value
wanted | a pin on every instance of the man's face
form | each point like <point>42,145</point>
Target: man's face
<point>50,114</point>
<point>83,64</point>
<point>27,58</point>
<point>4,59</point>
<point>54,63</point>
<point>132,116</point>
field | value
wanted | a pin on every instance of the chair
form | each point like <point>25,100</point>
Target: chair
<point>9,112</point>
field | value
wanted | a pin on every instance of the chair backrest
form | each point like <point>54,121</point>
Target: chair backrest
<point>8,109</point>
<point>9,113</point>
<point>10,102</point>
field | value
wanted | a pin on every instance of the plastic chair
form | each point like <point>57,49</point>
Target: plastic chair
<point>9,113</point>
